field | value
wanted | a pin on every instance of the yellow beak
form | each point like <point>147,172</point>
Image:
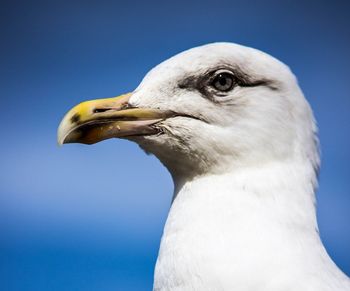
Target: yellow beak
<point>92,121</point>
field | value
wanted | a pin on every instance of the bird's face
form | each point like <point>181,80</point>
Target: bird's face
<point>208,108</point>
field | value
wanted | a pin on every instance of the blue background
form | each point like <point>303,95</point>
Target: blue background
<point>91,217</point>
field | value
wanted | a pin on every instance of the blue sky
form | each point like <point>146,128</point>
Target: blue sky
<point>91,217</point>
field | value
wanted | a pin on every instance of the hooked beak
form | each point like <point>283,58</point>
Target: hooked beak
<point>93,121</point>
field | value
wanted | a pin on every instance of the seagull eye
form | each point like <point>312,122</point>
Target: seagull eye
<point>223,81</point>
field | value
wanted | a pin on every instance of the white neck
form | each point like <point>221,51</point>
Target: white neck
<point>243,226</point>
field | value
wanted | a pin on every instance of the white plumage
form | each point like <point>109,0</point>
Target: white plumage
<point>243,215</point>
<point>232,126</point>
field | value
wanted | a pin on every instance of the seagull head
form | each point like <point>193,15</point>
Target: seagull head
<point>209,109</point>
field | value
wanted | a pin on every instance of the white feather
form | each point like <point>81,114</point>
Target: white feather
<point>243,215</point>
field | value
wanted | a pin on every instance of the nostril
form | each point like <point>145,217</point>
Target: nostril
<point>121,107</point>
<point>101,110</point>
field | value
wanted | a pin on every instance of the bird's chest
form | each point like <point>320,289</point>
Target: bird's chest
<point>219,240</point>
<point>189,261</point>
<point>184,263</point>
<point>201,248</point>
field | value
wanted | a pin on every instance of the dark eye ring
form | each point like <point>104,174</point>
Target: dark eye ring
<point>223,81</point>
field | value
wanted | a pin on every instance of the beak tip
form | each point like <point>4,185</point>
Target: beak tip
<point>63,130</point>
<point>60,140</point>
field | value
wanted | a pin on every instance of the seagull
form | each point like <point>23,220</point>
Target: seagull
<point>233,128</point>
